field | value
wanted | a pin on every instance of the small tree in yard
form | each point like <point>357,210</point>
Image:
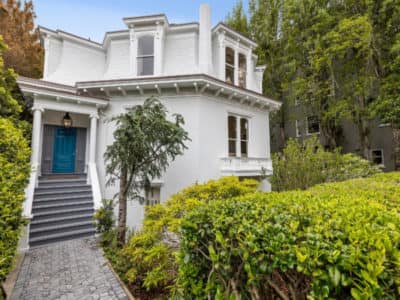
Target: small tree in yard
<point>145,142</point>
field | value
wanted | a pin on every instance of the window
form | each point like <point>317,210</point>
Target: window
<point>238,144</point>
<point>153,196</point>
<point>145,56</point>
<point>242,70</point>
<point>298,133</point>
<point>232,135</point>
<point>377,156</point>
<point>229,65</point>
<point>297,101</point>
<point>313,125</point>
<point>244,136</point>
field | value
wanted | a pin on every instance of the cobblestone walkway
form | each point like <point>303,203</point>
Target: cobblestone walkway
<point>68,270</point>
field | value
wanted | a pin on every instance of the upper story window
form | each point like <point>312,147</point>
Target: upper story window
<point>145,55</point>
<point>238,136</point>
<point>229,65</point>
<point>242,70</point>
<point>313,125</point>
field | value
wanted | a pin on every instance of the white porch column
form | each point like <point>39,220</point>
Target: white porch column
<point>36,128</point>
<point>93,138</point>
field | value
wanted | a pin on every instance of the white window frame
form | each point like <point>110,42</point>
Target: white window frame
<point>383,157</point>
<point>298,132</point>
<point>226,65</point>
<point>307,126</point>
<point>242,70</point>
<point>238,138</point>
<point>141,35</point>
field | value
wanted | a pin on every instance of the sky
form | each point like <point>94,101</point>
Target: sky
<point>92,18</point>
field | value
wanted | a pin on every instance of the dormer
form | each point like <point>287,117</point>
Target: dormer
<point>146,44</point>
<point>235,60</point>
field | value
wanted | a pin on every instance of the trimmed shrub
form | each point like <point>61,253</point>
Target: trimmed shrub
<point>334,241</point>
<point>151,252</point>
<point>302,165</point>
<point>14,174</point>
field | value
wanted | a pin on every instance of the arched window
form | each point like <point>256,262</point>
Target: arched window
<point>145,55</point>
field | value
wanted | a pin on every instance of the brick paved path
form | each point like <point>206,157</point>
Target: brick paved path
<point>68,270</point>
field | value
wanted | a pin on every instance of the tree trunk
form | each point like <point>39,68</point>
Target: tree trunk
<point>122,204</point>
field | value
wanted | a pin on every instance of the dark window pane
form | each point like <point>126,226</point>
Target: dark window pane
<point>229,74</point>
<point>232,127</point>
<point>145,66</point>
<point>146,45</point>
<point>313,125</point>
<point>242,70</point>
<point>243,129</point>
<point>229,56</point>
<point>232,147</point>
<point>243,148</point>
<point>377,157</point>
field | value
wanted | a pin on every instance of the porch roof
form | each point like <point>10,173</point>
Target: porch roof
<point>58,92</point>
<point>201,83</point>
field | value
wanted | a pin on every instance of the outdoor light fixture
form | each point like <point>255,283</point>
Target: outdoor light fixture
<point>67,121</point>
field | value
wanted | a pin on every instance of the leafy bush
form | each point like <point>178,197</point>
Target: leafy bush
<point>334,241</point>
<point>14,173</point>
<point>301,166</point>
<point>151,252</point>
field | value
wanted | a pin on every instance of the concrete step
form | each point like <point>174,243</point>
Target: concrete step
<point>62,191</point>
<point>73,234</point>
<point>69,182</point>
<point>66,196</point>
<point>60,229</point>
<point>56,206</point>
<point>56,221</point>
<point>62,200</point>
<point>61,213</point>
<point>61,188</point>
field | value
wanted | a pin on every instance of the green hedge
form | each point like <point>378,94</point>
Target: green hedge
<point>148,260</point>
<point>14,173</point>
<point>334,241</point>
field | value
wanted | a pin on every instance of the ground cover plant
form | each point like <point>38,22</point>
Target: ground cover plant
<point>333,241</point>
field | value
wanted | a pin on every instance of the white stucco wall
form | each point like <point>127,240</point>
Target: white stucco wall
<point>76,62</point>
<point>206,121</point>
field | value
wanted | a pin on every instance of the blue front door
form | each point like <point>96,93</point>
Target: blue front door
<point>64,150</point>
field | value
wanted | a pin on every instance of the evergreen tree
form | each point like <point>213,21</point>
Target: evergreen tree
<point>17,26</point>
<point>237,19</point>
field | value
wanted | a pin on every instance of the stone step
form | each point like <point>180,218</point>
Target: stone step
<point>56,221</point>
<point>60,229</point>
<point>47,192</point>
<point>62,200</point>
<point>65,196</point>
<point>73,234</point>
<point>57,206</point>
<point>60,188</point>
<point>61,213</point>
<point>68,182</point>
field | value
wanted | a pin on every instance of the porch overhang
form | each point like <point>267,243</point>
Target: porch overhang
<point>57,93</point>
<point>180,84</point>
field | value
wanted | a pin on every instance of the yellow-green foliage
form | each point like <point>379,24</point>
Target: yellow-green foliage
<point>151,251</point>
<point>14,172</point>
<point>334,241</point>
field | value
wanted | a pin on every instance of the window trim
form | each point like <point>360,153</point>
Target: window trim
<point>383,157</point>
<point>143,35</point>
<point>307,127</point>
<point>298,132</point>
<point>238,139</point>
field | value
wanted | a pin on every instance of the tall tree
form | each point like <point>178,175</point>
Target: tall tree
<point>145,142</point>
<point>237,19</point>
<point>337,57</point>
<point>17,26</point>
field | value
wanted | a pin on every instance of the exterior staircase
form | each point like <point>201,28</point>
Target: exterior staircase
<point>62,210</point>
